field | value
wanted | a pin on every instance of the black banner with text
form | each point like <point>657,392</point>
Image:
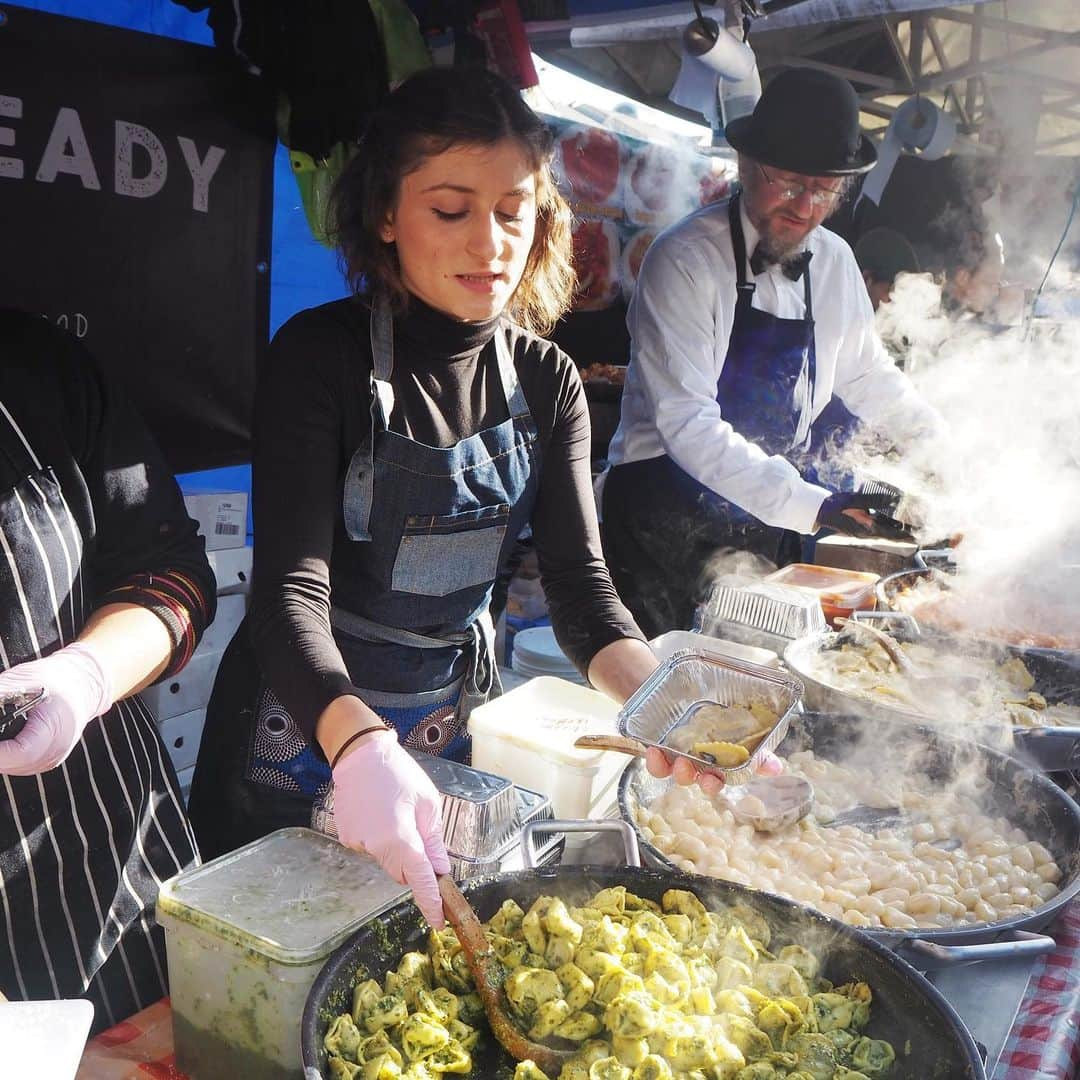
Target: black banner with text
<point>136,177</point>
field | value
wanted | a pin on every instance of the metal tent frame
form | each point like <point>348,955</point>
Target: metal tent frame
<point>970,58</point>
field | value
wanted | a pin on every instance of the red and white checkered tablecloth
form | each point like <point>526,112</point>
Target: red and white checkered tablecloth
<point>1044,1043</point>
<point>140,1048</point>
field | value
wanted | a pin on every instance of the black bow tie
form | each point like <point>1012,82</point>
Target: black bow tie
<point>794,268</point>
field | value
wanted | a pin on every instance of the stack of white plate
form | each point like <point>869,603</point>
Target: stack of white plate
<point>536,652</point>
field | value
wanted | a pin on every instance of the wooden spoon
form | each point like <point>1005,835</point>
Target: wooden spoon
<point>489,974</point>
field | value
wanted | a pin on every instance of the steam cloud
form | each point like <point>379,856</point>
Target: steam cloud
<point>1008,477</point>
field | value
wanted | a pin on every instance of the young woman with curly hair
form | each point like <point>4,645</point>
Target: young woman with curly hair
<point>404,438</point>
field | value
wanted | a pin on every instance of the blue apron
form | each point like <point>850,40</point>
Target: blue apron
<point>437,523</point>
<point>661,527</point>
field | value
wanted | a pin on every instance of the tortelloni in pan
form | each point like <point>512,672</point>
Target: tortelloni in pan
<point>645,991</point>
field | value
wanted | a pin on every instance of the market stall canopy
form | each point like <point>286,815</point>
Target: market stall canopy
<point>989,64</point>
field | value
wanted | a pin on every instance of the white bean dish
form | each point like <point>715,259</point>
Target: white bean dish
<point>897,878</point>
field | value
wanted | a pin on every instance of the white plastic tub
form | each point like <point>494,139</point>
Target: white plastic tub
<point>667,645</point>
<point>528,736</point>
<point>246,935</point>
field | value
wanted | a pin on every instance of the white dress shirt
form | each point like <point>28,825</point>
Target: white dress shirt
<point>680,320</point>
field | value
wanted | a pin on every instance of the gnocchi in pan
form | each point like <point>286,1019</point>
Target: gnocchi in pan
<point>954,866</point>
<point>646,991</point>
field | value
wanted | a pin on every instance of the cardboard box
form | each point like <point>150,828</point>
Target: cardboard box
<point>232,569</point>
<point>222,517</point>
<point>181,736</point>
<point>185,777</point>
<point>187,690</point>
<point>230,614</point>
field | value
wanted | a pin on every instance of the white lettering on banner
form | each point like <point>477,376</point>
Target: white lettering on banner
<point>68,131</point>
<point>77,323</point>
<point>202,172</point>
<point>11,108</point>
<point>125,181</point>
<point>67,151</point>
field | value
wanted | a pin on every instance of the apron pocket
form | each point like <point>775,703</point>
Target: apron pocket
<point>442,554</point>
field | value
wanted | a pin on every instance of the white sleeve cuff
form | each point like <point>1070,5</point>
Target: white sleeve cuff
<point>802,509</point>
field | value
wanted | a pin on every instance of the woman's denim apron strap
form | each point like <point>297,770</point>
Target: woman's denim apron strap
<point>434,524</point>
<point>358,510</point>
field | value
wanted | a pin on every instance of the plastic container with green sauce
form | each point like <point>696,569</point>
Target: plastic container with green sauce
<point>247,934</point>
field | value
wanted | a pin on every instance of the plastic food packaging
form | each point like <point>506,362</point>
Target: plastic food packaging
<point>841,592</point>
<point>528,736</point>
<point>246,935</point>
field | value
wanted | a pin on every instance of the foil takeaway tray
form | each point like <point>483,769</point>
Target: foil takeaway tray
<point>479,809</point>
<point>546,846</point>
<point>768,616</point>
<point>679,686</point>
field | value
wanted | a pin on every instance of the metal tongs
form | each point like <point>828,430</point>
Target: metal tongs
<point>886,525</point>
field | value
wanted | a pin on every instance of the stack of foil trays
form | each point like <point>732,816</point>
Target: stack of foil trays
<point>483,816</point>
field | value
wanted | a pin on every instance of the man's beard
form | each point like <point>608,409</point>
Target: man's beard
<point>777,250</point>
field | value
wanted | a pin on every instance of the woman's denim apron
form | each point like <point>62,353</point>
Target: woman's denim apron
<point>436,523</point>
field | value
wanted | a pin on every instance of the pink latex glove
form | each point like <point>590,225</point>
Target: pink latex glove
<point>385,803</point>
<point>77,689</point>
<point>686,772</point>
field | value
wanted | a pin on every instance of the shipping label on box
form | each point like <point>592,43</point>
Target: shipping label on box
<point>222,517</point>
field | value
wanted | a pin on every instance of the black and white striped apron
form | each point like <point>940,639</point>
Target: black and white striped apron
<point>85,846</point>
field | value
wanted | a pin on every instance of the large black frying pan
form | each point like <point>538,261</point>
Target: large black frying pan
<point>1056,673</point>
<point>1050,664</point>
<point>930,1040</point>
<point>1006,788</point>
<point>1048,748</point>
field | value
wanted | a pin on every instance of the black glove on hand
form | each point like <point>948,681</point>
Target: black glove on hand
<point>879,508</point>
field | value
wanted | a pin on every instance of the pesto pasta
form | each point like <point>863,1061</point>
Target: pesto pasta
<point>646,991</point>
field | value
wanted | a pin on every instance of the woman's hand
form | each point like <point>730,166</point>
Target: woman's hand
<point>686,772</point>
<point>385,803</point>
<point>77,689</point>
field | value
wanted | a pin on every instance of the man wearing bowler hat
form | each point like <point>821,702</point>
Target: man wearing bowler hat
<point>748,318</point>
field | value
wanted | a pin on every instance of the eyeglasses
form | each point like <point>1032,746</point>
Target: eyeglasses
<point>790,191</point>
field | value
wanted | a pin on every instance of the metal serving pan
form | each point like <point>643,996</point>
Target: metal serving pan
<point>689,679</point>
<point>888,588</point>
<point>1025,797</point>
<point>1051,749</point>
<point>930,1039</point>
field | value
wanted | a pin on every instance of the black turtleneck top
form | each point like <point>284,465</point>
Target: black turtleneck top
<point>311,414</point>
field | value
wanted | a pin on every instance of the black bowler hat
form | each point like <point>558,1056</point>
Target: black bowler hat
<point>807,121</point>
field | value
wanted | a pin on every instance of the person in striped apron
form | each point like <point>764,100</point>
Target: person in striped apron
<point>104,588</point>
